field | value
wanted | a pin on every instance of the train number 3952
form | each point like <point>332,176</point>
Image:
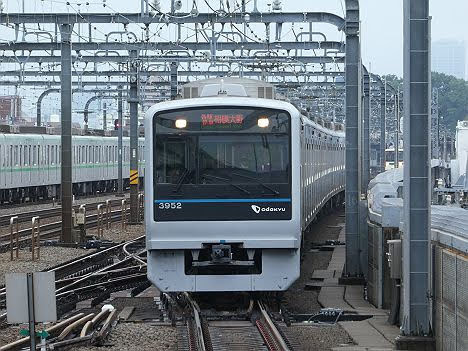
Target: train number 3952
<point>170,205</point>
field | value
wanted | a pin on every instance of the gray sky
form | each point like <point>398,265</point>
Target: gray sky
<point>382,25</point>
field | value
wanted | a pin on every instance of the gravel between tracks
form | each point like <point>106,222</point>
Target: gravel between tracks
<point>50,256</point>
<point>117,234</point>
<point>322,338</point>
<point>299,300</point>
<point>138,336</point>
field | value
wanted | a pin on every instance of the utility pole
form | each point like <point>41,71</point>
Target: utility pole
<point>133,101</point>
<point>66,138</point>
<point>416,319</point>
<point>383,115</point>
<point>173,80</point>
<point>353,64</point>
<point>397,127</point>
<point>366,143</point>
<point>104,117</point>
<point>120,142</point>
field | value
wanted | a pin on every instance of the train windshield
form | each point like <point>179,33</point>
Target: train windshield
<point>219,156</point>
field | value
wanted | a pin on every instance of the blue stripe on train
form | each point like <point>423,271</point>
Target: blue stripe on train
<point>223,200</point>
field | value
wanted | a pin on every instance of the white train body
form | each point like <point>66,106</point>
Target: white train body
<point>227,203</point>
<point>30,164</point>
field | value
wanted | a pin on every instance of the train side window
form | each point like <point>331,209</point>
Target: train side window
<point>34,155</point>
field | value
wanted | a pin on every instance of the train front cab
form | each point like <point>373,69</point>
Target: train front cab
<point>222,203</point>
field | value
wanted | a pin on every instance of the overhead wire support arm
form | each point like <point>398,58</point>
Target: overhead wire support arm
<point>127,18</point>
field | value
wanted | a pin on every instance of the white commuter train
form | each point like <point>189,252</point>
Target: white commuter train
<point>30,165</point>
<point>231,184</point>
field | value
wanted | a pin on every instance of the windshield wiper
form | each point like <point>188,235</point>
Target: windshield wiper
<point>275,192</point>
<point>181,180</point>
<point>227,181</point>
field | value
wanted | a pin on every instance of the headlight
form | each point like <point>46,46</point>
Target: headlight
<point>181,123</point>
<point>263,122</point>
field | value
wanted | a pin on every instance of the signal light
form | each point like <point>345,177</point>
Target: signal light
<point>116,124</point>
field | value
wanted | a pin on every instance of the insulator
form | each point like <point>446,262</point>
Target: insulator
<point>157,5</point>
<point>276,5</point>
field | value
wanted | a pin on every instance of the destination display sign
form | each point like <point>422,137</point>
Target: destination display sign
<point>221,121</point>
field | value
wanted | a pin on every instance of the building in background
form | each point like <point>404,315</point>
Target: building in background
<point>449,57</point>
<point>10,109</point>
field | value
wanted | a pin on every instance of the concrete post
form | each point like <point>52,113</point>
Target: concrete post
<point>416,241</point>
<point>353,100</point>
<point>134,176</point>
<point>66,123</point>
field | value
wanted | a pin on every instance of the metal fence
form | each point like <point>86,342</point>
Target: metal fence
<point>450,318</point>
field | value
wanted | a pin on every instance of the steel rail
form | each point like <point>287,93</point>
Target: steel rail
<point>278,338</point>
<point>51,230</point>
<point>48,212</point>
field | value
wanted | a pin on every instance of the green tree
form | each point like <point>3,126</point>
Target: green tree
<point>453,96</point>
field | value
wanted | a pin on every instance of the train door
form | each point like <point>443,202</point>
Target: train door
<point>9,177</point>
<point>2,165</point>
<point>47,162</point>
<point>20,163</point>
<point>104,161</point>
<point>28,168</point>
<point>79,162</point>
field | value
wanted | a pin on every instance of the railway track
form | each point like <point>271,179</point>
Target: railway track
<point>26,204</point>
<point>260,332</point>
<point>52,230</point>
<point>96,275</point>
<point>26,216</point>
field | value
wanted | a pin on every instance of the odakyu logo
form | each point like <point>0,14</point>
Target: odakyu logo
<point>258,209</point>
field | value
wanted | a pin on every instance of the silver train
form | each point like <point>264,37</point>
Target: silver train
<point>30,165</point>
<point>231,186</point>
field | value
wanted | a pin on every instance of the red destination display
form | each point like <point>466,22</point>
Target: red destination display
<point>221,120</point>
